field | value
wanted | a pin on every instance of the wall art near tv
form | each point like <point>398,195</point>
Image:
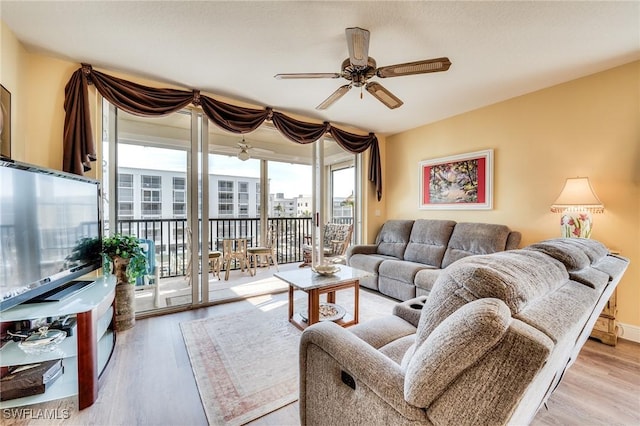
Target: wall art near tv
<point>5,122</point>
<point>457,182</point>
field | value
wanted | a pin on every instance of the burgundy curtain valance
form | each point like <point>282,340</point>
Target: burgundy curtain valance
<point>79,146</point>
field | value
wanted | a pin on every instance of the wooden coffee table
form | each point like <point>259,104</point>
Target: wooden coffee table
<point>314,285</point>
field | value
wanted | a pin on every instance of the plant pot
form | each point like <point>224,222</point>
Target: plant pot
<point>125,315</point>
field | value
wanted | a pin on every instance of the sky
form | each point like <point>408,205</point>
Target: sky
<point>291,179</point>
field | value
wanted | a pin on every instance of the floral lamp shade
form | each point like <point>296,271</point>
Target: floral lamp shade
<point>576,202</point>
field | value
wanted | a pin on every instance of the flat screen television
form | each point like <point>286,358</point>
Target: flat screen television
<point>50,230</point>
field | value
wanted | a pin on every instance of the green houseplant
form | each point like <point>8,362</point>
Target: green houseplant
<point>125,253</point>
<point>129,262</point>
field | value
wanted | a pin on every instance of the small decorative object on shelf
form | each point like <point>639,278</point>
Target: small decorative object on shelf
<point>31,379</point>
<point>44,340</point>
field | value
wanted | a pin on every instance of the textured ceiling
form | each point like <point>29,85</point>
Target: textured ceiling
<point>499,50</point>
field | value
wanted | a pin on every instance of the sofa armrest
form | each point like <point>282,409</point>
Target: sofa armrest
<point>513,240</point>
<point>357,358</point>
<point>410,310</point>
<point>362,249</point>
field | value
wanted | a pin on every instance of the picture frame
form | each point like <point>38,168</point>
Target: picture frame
<point>5,122</point>
<point>457,182</point>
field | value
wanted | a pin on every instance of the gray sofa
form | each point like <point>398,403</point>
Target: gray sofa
<point>409,255</point>
<point>487,347</point>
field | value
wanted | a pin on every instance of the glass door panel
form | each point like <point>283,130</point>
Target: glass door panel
<point>234,201</point>
<point>151,196</point>
<point>342,193</point>
<point>290,208</point>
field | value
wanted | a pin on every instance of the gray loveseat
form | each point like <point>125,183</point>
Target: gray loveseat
<point>488,346</point>
<point>409,254</point>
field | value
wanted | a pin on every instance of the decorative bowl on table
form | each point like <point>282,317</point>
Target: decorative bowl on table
<point>325,269</point>
<point>44,340</point>
<point>328,312</point>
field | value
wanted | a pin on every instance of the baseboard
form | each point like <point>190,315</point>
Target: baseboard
<point>629,332</point>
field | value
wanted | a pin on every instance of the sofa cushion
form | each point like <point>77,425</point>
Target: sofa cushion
<point>562,312</point>
<point>426,278</point>
<point>400,270</point>
<point>366,262</point>
<point>428,241</point>
<point>400,290</point>
<point>381,331</point>
<point>393,237</point>
<point>475,238</point>
<point>580,256</point>
<point>398,348</point>
<point>456,344</point>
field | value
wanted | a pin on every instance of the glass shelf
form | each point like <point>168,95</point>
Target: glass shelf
<point>11,354</point>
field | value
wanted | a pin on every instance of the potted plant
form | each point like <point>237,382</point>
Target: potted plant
<point>129,262</point>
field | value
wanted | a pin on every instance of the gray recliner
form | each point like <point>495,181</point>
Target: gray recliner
<point>487,347</point>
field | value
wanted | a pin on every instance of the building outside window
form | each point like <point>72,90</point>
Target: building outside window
<point>179,197</point>
<point>225,198</point>
<point>151,196</point>
<point>125,196</point>
<point>243,199</point>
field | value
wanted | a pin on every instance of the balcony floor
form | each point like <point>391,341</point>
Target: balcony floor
<point>176,291</point>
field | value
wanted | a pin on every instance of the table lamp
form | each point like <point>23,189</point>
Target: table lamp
<point>576,202</point>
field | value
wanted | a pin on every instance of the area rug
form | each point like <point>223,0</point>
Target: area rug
<point>246,363</point>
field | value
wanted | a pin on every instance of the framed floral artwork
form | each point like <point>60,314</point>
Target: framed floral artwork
<point>457,182</point>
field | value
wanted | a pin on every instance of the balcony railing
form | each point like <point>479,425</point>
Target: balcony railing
<point>171,236</point>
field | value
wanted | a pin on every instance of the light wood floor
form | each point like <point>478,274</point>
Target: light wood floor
<point>150,382</point>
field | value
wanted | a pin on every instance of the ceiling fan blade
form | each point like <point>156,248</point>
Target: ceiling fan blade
<point>358,44</point>
<point>383,95</point>
<point>308,75</point>
<point>334,96</point>
<point>418,67</point>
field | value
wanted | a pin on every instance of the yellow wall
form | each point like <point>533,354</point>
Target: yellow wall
<point>12,63</point>
<point>586,127</point>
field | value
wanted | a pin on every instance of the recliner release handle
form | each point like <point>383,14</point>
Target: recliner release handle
<point>348,380</point>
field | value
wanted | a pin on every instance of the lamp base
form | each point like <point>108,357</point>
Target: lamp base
<point>576,225</point>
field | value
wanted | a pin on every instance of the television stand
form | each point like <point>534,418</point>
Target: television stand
<point>85,354</point>
<point>60,293</point>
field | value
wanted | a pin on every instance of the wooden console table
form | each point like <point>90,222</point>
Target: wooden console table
<point>606,327</point>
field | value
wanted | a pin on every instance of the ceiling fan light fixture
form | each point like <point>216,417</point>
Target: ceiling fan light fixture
<point>383,95</point>
<point>243,155</point>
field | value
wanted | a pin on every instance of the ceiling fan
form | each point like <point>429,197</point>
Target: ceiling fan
<point>244,154</point>
<point>359,67</point>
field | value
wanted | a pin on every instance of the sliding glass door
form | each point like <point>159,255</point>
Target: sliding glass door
<point>182,186</point>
